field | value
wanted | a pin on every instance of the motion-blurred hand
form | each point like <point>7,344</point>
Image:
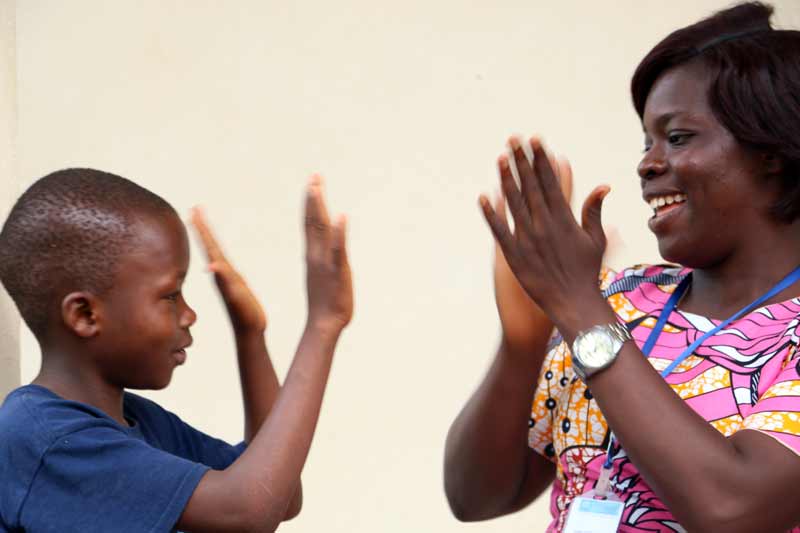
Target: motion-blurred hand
<point>245,312</point>
<point>523,323</point>
<point>328,276</point>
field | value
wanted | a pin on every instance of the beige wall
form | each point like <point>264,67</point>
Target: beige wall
<point>9,319</point>
<point>404,107</point>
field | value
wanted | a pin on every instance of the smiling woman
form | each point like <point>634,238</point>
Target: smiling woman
<point>667,400</point>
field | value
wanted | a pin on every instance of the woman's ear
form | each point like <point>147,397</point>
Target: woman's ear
<point>79,311</point>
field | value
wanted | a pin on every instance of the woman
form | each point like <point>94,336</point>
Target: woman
<point>706,431</point>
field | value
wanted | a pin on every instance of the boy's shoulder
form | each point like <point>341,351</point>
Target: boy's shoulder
<point>38,416</point>
<point>34,413</point>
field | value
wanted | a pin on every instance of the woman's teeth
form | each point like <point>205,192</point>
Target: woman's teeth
<point>661,201</point>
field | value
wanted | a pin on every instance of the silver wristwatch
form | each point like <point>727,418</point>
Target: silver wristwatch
<point>597,347</point>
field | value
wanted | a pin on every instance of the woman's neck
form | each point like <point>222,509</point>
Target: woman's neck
<point>722,289</point>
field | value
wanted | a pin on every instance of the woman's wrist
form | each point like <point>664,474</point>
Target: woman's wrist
<point>588,312</point>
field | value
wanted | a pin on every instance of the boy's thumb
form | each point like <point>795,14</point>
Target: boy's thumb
<point>591,214</point>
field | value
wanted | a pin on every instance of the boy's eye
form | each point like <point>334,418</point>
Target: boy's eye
<point>173,297</point>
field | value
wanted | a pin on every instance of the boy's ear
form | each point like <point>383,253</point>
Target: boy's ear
<point>79,313</point>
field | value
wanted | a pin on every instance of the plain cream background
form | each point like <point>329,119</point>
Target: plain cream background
<point>404,108</point>
<point>9,183</point>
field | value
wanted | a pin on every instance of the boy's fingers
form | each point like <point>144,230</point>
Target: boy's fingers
<point>339,247</point>
<point>320,208</point>
<point>212,248</point>
<point>317,223</point>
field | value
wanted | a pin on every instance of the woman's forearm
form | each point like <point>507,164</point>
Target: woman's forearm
<point>487,458</point>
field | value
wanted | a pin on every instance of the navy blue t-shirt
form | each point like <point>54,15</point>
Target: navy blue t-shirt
<point>67,466</point>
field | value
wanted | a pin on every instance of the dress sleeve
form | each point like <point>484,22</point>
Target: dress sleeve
<point>549,389</point>
<point>553,383</point>
<point>101,479</point>
<point>777,412</point>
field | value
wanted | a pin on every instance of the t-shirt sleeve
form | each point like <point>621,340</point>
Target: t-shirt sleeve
<point>100,479</point>
<point>170,433</point>
<point>777,412</point>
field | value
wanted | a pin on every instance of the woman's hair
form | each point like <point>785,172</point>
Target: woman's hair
<point>755,84</point>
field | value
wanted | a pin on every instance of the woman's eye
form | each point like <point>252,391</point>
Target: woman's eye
<point>676,139</point>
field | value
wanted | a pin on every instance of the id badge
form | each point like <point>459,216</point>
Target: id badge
<point>590,515</point>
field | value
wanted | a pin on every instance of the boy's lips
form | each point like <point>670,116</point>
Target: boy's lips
<point>180,353</point>
<point>180,356</point>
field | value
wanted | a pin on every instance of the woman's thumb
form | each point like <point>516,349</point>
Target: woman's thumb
<point>591,214</point>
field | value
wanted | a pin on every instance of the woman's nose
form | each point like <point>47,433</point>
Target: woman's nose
<point>653,164</point>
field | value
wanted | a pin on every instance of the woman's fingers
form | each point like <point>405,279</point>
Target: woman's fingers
<point>529,184</point>
<point>549,187</point>
<point>565,177</point>
<point>499,227</point>
<point>591,215</point>
<point>516,203</point>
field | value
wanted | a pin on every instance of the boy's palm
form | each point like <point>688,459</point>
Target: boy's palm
<point>328,277</point>
<point>245,311</point>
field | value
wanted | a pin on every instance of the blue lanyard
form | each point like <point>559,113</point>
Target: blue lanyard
<point>783,284</point>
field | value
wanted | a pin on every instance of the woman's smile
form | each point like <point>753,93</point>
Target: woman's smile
<point>666,208</point>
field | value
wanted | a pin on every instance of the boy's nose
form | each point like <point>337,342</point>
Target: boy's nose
<point>188,317</point>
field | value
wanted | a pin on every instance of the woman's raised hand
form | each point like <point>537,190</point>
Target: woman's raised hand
<point>555,260</point>
<point>525,326</point>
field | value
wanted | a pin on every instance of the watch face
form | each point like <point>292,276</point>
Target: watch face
<point>596,348</point>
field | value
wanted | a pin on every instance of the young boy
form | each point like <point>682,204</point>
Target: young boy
<point>95,265</point>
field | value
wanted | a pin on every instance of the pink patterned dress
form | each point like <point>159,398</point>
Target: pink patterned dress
<point>744,377</point>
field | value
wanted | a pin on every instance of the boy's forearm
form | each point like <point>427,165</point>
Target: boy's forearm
<point>272,463</point>
<point>260,385</point>
<point>260,388</point>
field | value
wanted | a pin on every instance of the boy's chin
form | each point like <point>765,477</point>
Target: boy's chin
<point>156,384</point>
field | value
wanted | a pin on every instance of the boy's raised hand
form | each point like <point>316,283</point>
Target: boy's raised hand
<point>328,277</point>
<point>245,312</point>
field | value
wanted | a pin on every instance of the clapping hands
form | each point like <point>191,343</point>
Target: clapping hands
<point>245,312</point>
<point>555,260</point>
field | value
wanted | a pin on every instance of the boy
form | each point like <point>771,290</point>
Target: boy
<point>95,265</point>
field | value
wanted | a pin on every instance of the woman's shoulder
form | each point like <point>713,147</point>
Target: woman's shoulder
<point>641,276</point>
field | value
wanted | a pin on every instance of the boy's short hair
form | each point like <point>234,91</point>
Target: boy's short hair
<point>66,233</point>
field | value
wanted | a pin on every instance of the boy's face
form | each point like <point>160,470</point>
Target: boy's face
<point>145,319</point>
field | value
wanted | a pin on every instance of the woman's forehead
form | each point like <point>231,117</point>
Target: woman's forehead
<point>679,91</point>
